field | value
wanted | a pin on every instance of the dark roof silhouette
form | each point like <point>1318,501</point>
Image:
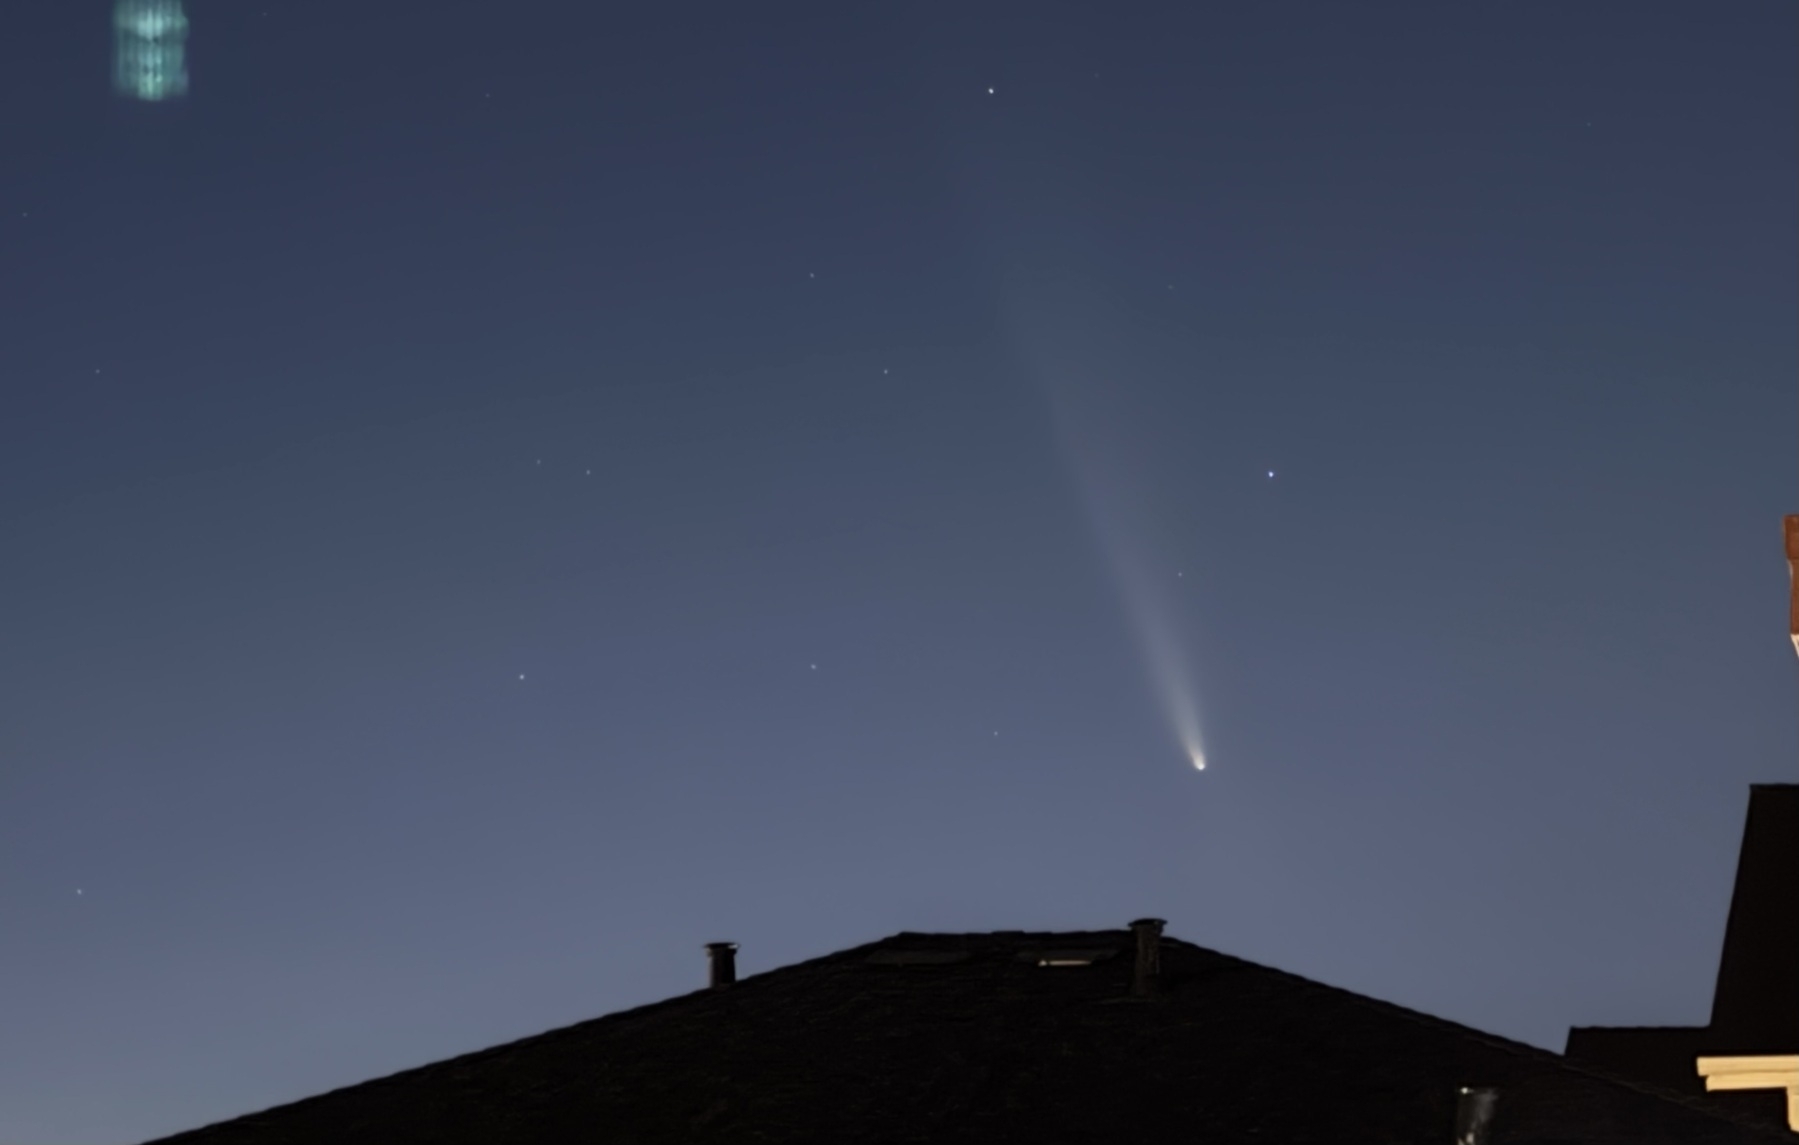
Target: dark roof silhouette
<point>1755,1008</point>
<point>972,1037</point>
<point>1756,1005</point>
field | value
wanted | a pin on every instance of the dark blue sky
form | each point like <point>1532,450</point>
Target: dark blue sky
<point>495,497</point>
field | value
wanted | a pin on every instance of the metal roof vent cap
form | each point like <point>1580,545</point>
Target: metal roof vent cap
<point>1474,1109</point>
<point>723,959</point>
<point>1147,979</point>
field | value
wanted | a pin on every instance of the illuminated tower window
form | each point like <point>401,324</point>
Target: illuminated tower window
<point>151,40</point>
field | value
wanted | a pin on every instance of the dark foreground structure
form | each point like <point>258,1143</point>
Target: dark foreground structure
<point>1098,1036</point>
<point>1755,1008</point>
<point>1747,1056</point>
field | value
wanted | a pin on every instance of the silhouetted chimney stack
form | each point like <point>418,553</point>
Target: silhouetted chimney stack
<point>723,957</point>
<point>1148,977</point>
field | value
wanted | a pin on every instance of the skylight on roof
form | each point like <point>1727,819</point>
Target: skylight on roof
<point>1067,956</point>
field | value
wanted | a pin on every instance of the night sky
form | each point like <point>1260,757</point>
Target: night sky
<point>495,496</point>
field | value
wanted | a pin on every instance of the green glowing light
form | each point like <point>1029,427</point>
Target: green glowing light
<point>151,39</point>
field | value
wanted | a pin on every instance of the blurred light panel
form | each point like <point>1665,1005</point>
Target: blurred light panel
<point>150,44</point>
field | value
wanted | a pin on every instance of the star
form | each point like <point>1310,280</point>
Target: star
<point>77,890</point>
<point>815,667</point>
<point>521,675</point>
<point>1271,473</point>
<point>989,91</point>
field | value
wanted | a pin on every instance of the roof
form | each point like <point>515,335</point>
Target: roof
<point>1757,999</point>
<point>970,1037</point>
<point>1755,1007</point>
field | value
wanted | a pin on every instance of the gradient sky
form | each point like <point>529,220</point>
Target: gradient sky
<point>496,496</point>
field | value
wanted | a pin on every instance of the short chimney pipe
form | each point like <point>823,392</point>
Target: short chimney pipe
<point>1147,980</point>
<point>1474,1109</point>
<point>723,959</point>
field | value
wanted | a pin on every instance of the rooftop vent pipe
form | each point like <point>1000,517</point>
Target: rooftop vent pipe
<point>723,957</point>
<point>1148,977</point>
<point>1474,1108</point>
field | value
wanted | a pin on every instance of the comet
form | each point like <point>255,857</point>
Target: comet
<point>1099,454</point>
<point>1152,616</point>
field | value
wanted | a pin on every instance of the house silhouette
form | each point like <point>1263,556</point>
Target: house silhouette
<point>1755,1007</point>
<point>1013,1036</point>
<point>1748,1054</point>
<point>1106,1036</point>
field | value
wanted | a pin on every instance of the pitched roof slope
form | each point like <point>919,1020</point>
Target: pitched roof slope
<point>1755,1007</point>
<point>966,1037</point>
